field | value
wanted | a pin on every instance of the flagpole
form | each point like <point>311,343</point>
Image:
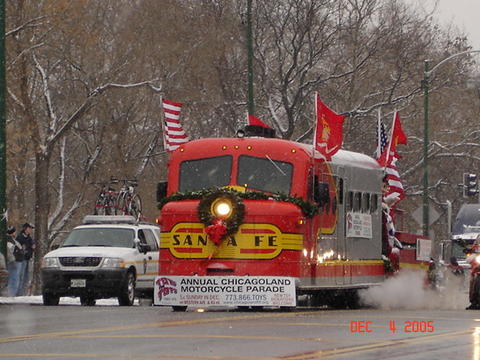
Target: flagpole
<point>316,125</point>
<point>390,142</point>
<point>163,125</point>
<point>379,135</point>
<point>251,106</point>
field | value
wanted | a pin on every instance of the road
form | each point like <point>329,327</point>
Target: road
<point>147,332</point>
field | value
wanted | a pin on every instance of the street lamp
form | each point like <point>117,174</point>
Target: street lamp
<point>425,84</point>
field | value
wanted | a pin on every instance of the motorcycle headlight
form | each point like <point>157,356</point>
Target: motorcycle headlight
<point>477,259</point>
<point>222,208</point>
<point>50,262</point>
<point>113,263</point>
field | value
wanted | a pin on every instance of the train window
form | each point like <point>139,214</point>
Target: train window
<point>373,203</point>
<point>264,174</point>
<point>339,182</point>
<point>334,205</point>
<point>357,201</point>
<point>349,201</point>
<point>205,173</point>
<point>365,202</point>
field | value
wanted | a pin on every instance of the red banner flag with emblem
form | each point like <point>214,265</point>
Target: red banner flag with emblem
<point>174,134</point>
<point>329,130</point>
<point>253,120</point>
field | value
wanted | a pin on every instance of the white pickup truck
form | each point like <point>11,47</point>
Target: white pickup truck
<point>106,256</point>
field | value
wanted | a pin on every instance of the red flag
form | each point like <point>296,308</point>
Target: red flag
<point>397,137</point>
<point>252,120</point>
<point>173,132</point>
<point>329,130</point>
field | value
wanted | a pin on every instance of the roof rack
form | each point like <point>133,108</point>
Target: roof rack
<point>109,219</point>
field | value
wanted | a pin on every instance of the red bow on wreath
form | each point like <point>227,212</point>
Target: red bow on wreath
<point>216,231</point>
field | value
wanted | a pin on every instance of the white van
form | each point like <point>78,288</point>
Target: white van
<point>106,256</point>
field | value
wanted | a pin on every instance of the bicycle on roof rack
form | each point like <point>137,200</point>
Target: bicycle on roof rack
<point>106,202</point>
<point>128,202</point>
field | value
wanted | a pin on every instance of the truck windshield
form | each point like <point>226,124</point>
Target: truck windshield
<point>468,220</point>
<point>264,174</point>
<point>205,173</point>
<point>111,237</point>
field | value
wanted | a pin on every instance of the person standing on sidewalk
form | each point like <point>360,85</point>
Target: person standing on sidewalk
<point>25,239</point>
<point>15,258</point>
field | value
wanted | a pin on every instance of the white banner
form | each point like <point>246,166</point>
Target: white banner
<point>206,291</point>
<point>359,225</point>
<point>424,249</point>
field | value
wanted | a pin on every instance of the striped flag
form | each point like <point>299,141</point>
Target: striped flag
<point>395,189</point>
<point>173,132</point>
<point>388,159</point>
<point>381,136</point>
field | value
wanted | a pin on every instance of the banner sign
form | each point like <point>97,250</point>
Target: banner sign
<point>424,249</point>
<point>359,225</point>
<point>225,291</point>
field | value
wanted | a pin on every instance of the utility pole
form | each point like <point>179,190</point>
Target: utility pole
<point>3,143</point>
<point>426,84</point>
<point>426,214</point>
<point>251,105</point>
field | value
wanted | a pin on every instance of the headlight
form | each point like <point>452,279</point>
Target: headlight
<point>477,259</point>
<point>113,263</point>
<point>50,262</point>
<point>222,208</point>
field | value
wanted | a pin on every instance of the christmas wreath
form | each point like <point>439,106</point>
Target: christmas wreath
<point>219,228</point>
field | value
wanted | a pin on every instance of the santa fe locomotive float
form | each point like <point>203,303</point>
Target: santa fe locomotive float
<point>258,221</point>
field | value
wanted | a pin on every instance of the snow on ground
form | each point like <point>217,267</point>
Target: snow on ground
<point>37,300</point>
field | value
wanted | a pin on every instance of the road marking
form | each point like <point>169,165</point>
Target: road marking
<point>147,326</point>
<point>130,356</point>
<point>190,336</point>
<point>331,353</point>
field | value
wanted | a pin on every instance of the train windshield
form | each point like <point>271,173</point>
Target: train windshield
<point>264,174</point>
<point>205,173</point>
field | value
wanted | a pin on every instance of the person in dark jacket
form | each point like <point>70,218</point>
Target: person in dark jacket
<point>15,257</point>
<point>25,239</point>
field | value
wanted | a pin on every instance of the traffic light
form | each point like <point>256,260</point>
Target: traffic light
<point>470,185</point>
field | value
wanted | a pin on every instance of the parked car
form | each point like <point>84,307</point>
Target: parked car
<point>106,256</point>
<point>3,275</point>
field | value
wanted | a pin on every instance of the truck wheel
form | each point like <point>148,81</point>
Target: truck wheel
<point>87,300</point>
<point>50,299</point>
<point>127,294</point>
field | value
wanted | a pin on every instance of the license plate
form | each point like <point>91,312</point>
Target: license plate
<point>78,283</point>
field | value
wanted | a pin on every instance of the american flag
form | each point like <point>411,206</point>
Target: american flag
<point>381,137</point>
<point>395,191</point>
<point>173,132</point>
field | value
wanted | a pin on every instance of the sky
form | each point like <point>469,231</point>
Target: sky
<point>462,13</point>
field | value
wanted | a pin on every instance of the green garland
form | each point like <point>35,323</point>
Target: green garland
<point>308,209</point>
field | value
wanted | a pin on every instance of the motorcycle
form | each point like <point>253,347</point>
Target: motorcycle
<point>441,276</point>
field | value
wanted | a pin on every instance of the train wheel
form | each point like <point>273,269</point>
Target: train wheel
<point>352,299</point>
<point>179,308</point>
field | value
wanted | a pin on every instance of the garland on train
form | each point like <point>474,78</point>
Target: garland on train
<point>308,209</point>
